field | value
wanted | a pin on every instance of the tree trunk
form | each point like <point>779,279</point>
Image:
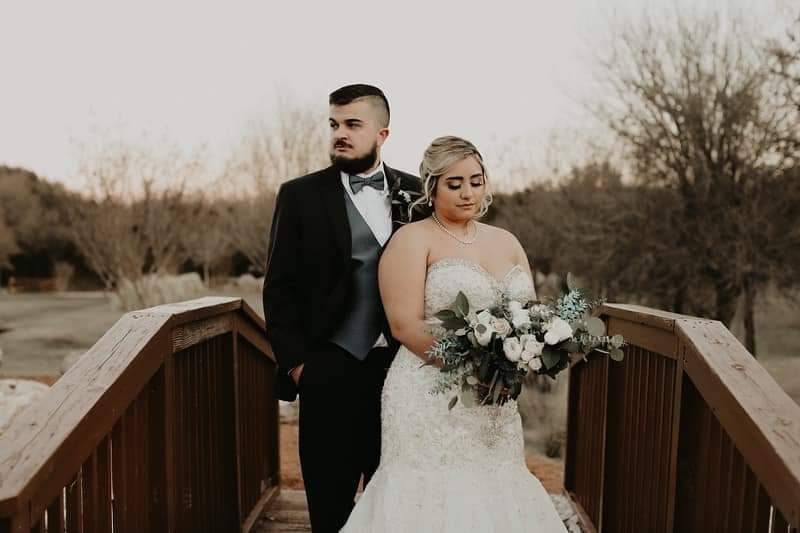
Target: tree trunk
<point>749,314</point>
<point>726,302</point>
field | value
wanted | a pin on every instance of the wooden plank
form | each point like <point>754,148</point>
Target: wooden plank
<point>674,434</point>
<point>779,523</point>
<point>267,499</point>
<point>255,337</point>
<point>585,522</point>
<point>650,338</point>
<point>761,419</point>
<point>120,479</point>
<point>169,450</point>
<point>75,506</point>
<point>55,515</point>
<point>50,439</point>
<point>192,333</point>
<point>254,318</point>
<point>90,495</point>
<point>642,315</point>
<point>237,422</point>
<point>195,310</point>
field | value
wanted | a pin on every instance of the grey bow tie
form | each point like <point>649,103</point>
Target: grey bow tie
<point>375,181</point>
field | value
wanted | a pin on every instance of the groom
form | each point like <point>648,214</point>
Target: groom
<point>324,315</point>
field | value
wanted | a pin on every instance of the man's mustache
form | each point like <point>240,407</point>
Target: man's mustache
<point>341,144</point>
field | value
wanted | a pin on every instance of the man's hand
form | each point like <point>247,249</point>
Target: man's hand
<point>295,374</point>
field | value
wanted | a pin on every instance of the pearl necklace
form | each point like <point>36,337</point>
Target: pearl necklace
<point>453,235</point>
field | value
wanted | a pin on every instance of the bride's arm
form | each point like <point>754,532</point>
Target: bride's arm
<point>401,277</point>
<point>522,260</point>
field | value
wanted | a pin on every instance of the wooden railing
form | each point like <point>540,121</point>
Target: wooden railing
<point>168,423</point>
<point>688,434</point>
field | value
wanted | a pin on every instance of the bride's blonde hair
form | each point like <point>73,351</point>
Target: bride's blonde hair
<point>439,157</point>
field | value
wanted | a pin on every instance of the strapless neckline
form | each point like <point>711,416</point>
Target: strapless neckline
<point>474,265</point>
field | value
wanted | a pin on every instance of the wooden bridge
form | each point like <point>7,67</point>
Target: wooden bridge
<point>168,423</point>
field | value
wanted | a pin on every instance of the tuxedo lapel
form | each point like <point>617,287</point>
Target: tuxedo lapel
<point>333,199</point>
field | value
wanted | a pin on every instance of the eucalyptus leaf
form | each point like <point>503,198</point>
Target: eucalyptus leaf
<point>616,354</point>
<point>617,341</point>
<point>571,283</point>
<point>472,380</point>
<point>595,326</point>
<point>452,402</point>
<point>462,304</point>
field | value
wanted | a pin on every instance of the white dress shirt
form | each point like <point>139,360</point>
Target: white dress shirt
<point>376,209</point>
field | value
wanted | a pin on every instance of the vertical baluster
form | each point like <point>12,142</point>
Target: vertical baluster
<point>55,515</point>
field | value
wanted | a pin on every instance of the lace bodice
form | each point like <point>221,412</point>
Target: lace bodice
<point>446,277</point>
<point>452,470</point>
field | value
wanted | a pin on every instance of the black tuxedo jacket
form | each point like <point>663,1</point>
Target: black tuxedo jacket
<point>309,267</point>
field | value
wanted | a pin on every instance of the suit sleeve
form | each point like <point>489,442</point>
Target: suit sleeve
<point>281,281</point>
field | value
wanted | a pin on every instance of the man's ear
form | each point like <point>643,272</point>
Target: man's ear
<point>383,134</point>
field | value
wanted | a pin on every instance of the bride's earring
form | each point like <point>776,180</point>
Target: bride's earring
<point>430,203</point>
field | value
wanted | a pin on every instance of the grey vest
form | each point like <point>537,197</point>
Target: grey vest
<point>364,319</point>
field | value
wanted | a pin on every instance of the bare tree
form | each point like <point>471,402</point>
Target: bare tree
<point>694,103</point>
<point>288,144</point>
<point>129,223</point>
<point>8,243</point>
<point>785,56</point>
<point>206,237</point>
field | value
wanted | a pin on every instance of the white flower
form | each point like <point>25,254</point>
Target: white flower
<point>483,334</point>
<point>501,326</point>
<point>558,330</point>
<point>535,364</point>
<point>520,318</point>
<point>533,346</point>
<point>530,347</point>
<point>512,348</point>
<point>484,317</point>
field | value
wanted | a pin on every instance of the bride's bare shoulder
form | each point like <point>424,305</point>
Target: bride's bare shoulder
<point>413,230</point>
<point>495,232</point>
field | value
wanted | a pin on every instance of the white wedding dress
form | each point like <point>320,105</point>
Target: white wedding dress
<point>452,471</point>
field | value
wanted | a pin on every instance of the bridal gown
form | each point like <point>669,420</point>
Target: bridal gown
<point>452,471</point>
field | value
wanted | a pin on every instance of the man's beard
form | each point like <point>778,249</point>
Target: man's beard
<point>356,165</point>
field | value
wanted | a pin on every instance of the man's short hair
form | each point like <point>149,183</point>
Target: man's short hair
<point>350,93</point>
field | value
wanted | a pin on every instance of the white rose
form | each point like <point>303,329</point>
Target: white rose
<point>520,319</point>
<point>533,346</point>
<point>512,348</point>
<point>483,334</point>
<point>558,330</point>
<point>501,326</point>
<point>535,364</point>
<point>484,317</point>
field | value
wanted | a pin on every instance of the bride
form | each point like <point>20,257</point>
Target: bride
<point>463,469</point>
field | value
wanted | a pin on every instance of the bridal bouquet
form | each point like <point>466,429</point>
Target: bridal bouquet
<point>486,353</point>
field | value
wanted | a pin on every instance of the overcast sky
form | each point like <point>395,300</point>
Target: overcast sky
<point>194,73</point>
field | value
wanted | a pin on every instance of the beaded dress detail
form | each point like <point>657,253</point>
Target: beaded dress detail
<point>460,470</point>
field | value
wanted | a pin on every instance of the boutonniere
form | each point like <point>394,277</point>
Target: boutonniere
<point>403,198</point>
